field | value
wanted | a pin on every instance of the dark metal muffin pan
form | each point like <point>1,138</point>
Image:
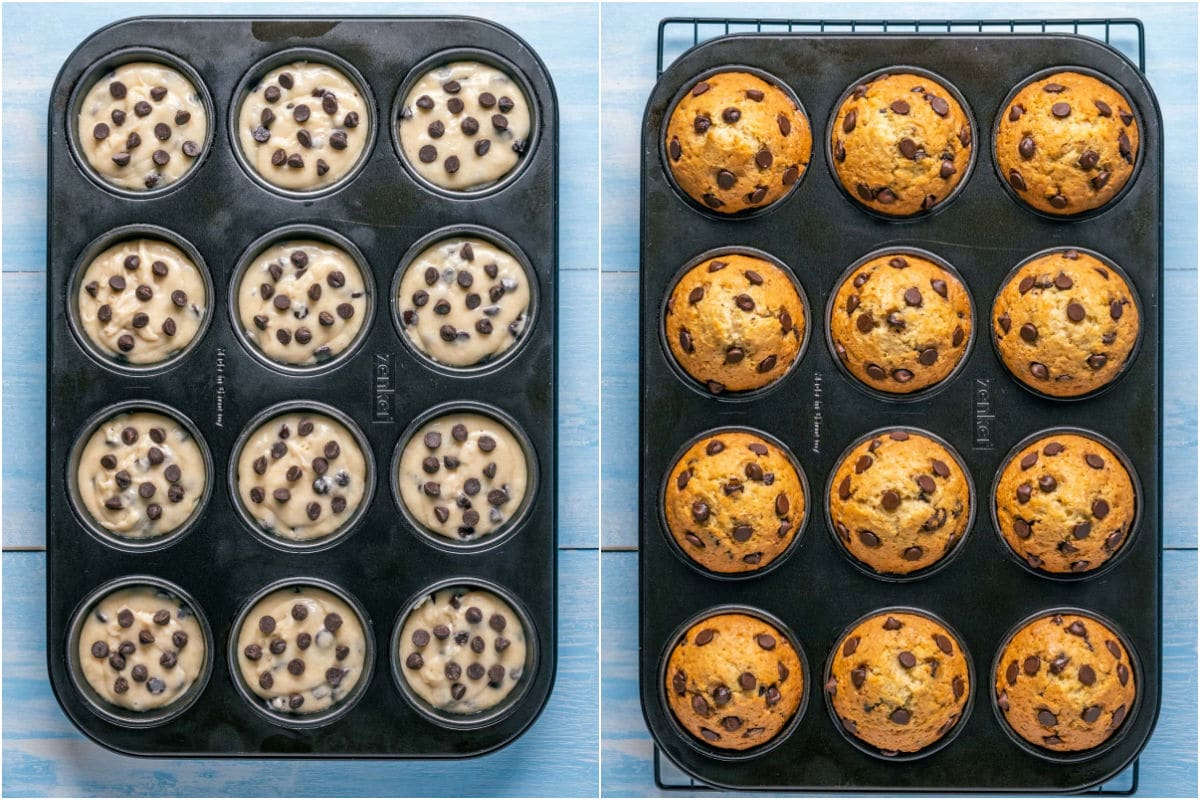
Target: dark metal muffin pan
<point>982,411</point>
<point>221,386</point>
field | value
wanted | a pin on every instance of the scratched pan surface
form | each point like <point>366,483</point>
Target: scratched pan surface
<point>982,413</point>
<point>220,386</point>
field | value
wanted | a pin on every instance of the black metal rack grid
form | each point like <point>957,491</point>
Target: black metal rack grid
<point>677,35</point>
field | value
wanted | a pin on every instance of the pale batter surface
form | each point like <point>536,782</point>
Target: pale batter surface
<point>303,126</point>
<point>463,476</point>
<point>464,301</point>
<point>142,301</point>
<point>142,126</point>
<point>462,650</point>
<point>302,302</point>
<point>301,649</point>
<point>141,475</point>
<point>301,475</point>
<point>141,649</point>
<point>464,125</point>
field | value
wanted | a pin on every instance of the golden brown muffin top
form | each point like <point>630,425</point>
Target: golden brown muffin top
<point>1067,143</point>
<point>1065,682</point>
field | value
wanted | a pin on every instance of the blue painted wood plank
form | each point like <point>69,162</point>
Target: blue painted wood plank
<point>45,755</point>
<point>630,34</point>
<point>1168,764</point>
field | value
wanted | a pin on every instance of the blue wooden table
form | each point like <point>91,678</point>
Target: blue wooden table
<point>1168,765</point>
<point>43,753</point>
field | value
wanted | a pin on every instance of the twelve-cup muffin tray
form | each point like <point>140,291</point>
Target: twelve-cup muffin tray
<point>381,388</point>
<point>982,411</point>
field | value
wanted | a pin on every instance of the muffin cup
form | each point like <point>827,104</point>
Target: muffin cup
<point>514,523</point>
<point>115,714</point>
<point>351,523</point>
<point>483,57</point>
<point>498,712</point>
<point>1137,302</point>
<point>95,73</point>
<point>116,541</point>
<point>254,76</point>
<point>928,750</point>
<point>320,718</point>
<point>1126,546</point>
<point>936,566</point>
<point>99,245</point>
<point>1056,756</point>
<point>499,240</point>
<point>294,232</point>
<point>1138,160</point>
<point>665,161</point>
<point>827,145</point>
<point>694,384</point>
<point>702,747</point>
<point>928,391</point>
<point>801,528</point>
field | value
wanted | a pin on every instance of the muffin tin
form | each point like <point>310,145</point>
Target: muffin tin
<point>220,384</point>
<point>982,411</point>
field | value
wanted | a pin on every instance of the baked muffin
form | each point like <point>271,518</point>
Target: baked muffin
<point>736,142</point>
<point>734,502</point>
<point>1065,503</point>
<point>734,681</point>
<point>899,682</point>
<point>1065,682</point>
<point>1065,324</point>
<point>899,502</point>
<point>735,323</point>
<point>901,144</point>
<point>1067,143</point>
<point>900,323</point>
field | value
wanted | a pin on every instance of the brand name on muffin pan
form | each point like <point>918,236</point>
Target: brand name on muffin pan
<point>983,415</point>
<point>383,389</point>
<point>219,419</point>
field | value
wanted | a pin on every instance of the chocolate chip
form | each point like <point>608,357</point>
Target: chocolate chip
<point>907,659</point>
<point>1047,718</point>
<point>900,716</point>
<point>849,121</point>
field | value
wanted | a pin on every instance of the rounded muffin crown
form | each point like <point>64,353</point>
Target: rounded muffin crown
<point>1066,323</point>
<point>736,321</point>
<point>735,681</point>
<point>900,322</point>
<point>737,140</point>
<point>1067,142</point>
<point>1064,682</point>
<point>898,682</point>
<point>901,143</point>
<point>735,502</point>
<point>1065,503</point>
<point>900,502</point>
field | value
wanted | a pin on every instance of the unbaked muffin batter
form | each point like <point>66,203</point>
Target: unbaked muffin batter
<point>301,649</point>
<point>464,125</point>
<point>141,648</point>
<point>141,475</point>
<point>463,301</point>
<point>303,126</point>
<point>302,302</point>
<point>462,476</point>
<point>462,650</point>
<point>142,301</point>
<point>142,126</point>
<point>301,475</point>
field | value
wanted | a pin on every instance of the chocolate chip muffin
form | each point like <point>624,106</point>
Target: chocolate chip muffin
<point>1067,143</point>
<point>899,502</point>
<point>734,681</point>
<point>1065,503</point>
<point>734,502</point>
<point>736,142</point>
<point>1065,682</point>
<point>899,682</point>
<point>1065,324</point>
<point>735,323</point>
<point>901,144</point>
<point>900,323</point>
